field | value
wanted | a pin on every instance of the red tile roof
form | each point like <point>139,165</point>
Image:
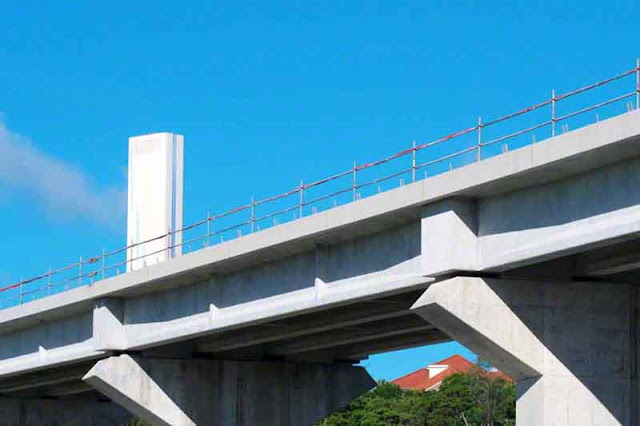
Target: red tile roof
<point>420,380</point>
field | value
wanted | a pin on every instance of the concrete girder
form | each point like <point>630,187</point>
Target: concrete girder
<point>67,389</point>
<point>350,335</point>
<point>361,313</point>
<point>611,265</point>
<point>142,335</point>
<point>39,379</point>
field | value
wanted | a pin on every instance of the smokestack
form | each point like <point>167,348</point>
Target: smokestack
<point>154,198</point>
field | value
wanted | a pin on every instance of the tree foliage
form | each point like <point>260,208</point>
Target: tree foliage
<point>462,399</point>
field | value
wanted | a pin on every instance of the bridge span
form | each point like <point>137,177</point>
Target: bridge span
<point>529,258</point>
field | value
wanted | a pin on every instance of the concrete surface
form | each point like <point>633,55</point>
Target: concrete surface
<point>570,154</point>
<point>560,217</point>
<point>572,347</point>
<point>389,239</point>
<point>449,237</point>
<point>80,412</point>
<point>221,393</point>
<point>336,286</point>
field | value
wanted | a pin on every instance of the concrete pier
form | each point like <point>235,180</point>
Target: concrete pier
<point>572,347</point>
<point>227,393</point>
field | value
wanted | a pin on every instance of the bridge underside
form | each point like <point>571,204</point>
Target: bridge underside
<point>345,335</point>
<point>337,337</point>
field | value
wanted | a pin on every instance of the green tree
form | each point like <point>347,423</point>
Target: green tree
<point>494,397</point>
<point>462,399</point>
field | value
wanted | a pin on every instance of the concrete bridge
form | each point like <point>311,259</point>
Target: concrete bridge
<point>529,258</point>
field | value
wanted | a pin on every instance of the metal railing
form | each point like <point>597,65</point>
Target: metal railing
<point>420,161</point>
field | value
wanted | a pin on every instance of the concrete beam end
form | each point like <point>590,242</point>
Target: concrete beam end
<point>451,305</point>
<point>125,382</point>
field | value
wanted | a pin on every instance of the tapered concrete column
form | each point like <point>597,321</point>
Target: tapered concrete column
<point>216,392</point>
<point>571,347</point>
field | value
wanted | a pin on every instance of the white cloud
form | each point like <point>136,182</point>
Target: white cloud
<point>60,187</point>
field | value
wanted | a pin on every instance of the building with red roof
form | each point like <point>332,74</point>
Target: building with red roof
<point>430,377</point>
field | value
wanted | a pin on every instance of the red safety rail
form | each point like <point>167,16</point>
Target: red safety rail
<point>87,271</point>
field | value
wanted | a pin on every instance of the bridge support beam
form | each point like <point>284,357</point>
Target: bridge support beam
<point>108,331</point>
<point>202,392</point>
<point>570,346</point>
<point>449,237</point>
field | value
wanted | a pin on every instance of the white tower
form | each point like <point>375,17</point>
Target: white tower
<point>155,198</point>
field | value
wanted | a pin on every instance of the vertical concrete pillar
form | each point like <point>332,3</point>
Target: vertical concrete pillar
<point>449,239</point>
<point>154,207</point>
<point>570,346</point>
<point>217,392</point>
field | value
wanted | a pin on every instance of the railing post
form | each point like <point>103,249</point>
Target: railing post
<point>301,202</point>
<point>553,113</point>
<point>21,290</point>
<point>413,163</point>
<point>253,215</point>
<point>49,281</point>
<point>638,83</point>
<point>80,271</point>
<point>103,263</point>
<point>479,153</point>
<point>208,228</point>
<point>169,239</point>
<point>355,180</point>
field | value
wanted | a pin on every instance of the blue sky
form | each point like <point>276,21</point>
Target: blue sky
<point>266,94</point>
